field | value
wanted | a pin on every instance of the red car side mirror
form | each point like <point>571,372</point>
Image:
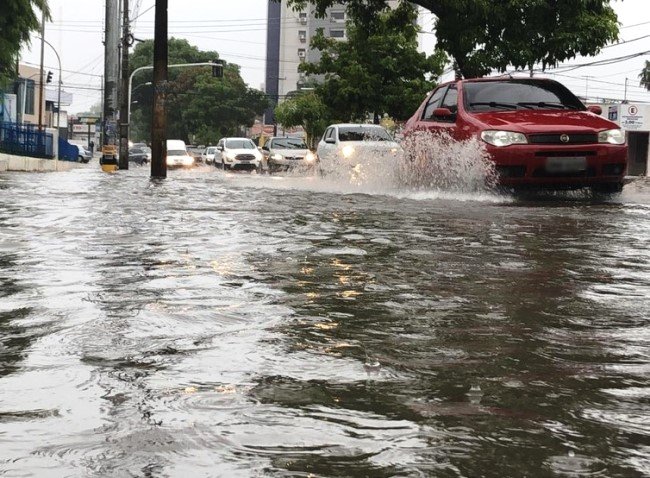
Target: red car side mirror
<point>442,113</point>
<point>595,109</point>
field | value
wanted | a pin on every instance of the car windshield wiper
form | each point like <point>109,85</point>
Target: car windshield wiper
<point>544,104</point>
<point>494,104</point>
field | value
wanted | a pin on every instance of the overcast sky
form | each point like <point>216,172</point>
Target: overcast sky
<point>237,30</point>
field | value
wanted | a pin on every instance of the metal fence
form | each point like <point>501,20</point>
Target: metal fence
<point>26,140</point>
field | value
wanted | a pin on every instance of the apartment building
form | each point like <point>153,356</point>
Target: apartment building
<point>287,44</point>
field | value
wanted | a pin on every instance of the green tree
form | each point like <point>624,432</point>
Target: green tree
<point>377,70</point>
<point>306,110</point>
<point>485,35</point>
<point>644,76</point>
<point>17,20</point>
<point>198,105</point>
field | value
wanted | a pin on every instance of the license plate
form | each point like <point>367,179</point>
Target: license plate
<point>571,164</point>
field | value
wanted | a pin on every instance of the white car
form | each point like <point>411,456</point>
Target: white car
<point>284,154</point>
<point>354,147</point>
<point>208,154</point>
<point>238,154</point>
<point>177,155</point>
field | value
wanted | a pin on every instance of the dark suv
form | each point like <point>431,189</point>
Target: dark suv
<point>537,132</point>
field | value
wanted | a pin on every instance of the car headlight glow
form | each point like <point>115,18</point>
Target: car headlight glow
<point>230,157</point>
<point>310,157</point>
<point>611,136</point>
<point>503,138</point>
<point>348,151</point>
<point>276,157</point>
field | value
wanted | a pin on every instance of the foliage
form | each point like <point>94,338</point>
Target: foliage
<point>199,107</point>
<point>17,21</point>
<point>377,70</point>
<point>306,110</point>
<point>485,35</point>
<point>644,76</point>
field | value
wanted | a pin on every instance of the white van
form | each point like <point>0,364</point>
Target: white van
<point>177,155</point>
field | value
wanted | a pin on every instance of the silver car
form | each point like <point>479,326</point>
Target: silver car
<point>283,154</point>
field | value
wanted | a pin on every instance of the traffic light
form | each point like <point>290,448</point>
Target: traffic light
<point>49,77</point>
<point>217,69</point>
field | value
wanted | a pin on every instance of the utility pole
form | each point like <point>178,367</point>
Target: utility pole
<point>111,66</point>
<point>124,96</point>
<point>40,85</point>
<point>159,122</point>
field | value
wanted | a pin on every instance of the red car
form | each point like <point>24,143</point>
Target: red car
<point>537,132</point>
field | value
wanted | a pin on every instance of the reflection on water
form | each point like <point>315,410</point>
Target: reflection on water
<point>220,324</point>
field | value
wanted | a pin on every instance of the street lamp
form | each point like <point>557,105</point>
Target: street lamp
<point>58,111</point>
<point>150,67</point>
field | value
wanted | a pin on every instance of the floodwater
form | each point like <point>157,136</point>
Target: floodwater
<point>241,325</point>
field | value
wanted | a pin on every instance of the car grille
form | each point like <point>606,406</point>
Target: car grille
<point>565,154</point>
<point>574,138</point>
<point>590,172</point>
<point>245,157</point>
<point>294,158</point>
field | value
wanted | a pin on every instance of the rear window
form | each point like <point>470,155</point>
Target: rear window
<point>363,133</point>
<point>240,144</point>
<point>506,95</point>
<point>177,152</point>
<point>288,143</point>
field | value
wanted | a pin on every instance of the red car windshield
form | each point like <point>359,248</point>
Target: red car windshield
<point>483,96</point>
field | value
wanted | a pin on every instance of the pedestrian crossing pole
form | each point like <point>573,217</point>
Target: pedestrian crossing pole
<point>159,123</point>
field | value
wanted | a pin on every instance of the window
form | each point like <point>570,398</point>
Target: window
<point>29,96</point>
<point>433,103</point>
<point>337,33</point>
<point>240,144</point>
<point>302,53</point>
<point>302,35</point>
<point>363,133</point>
<point>516,94</point>
<point>302,18</point>
<point>451,99</point>
<point>329,133</point>
<point>337,17</point>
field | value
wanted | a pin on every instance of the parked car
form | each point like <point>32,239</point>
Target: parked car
<point>177,155</point>
<point>283,154</point>
<point>84,154</point>
<point>355,145</point>
<point>138,156</point>
<point>208,154</point>
<point>537,132</point>
<point>238,154</point>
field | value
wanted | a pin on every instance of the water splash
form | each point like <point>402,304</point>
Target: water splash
<point>435,161</point>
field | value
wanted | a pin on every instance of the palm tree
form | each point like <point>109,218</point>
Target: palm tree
<point>645,76</point>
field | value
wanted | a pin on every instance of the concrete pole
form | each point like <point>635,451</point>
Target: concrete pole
<point>111,67</point>
<point>40,86</point>
<point>159,123</point>
<point>124,94</point>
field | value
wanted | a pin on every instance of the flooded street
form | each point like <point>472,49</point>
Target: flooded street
<point>236,325</point>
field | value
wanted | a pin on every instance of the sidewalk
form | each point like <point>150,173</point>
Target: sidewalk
<point>10,162</point>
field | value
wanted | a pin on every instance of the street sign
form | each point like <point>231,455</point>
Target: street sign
<point>88,119</point>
